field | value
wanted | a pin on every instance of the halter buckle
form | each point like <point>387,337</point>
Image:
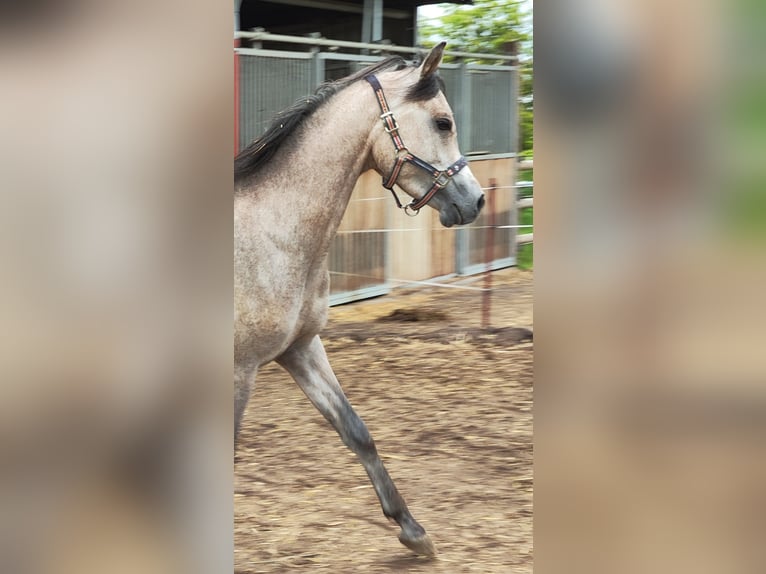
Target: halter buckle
<point>438,181</point>
<point>394,123</point>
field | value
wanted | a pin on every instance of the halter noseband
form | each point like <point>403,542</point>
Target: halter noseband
<point>441,177</point>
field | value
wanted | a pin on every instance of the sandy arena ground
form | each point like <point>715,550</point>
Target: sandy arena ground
<point>449,407</point>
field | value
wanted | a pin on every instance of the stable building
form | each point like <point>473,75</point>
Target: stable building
<point>367,21</point>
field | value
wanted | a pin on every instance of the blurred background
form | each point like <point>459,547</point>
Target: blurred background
<point>649,264</point>
<point>115,416</point>
<point>115,299</point>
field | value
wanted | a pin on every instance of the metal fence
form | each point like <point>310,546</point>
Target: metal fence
<point>267,85</point>
<point>483,99</point>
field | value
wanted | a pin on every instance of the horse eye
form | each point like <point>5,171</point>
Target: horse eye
<point>444,124</point>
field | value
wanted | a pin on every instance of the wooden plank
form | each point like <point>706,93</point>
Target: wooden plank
<point>523,238</point>
<point>503,172</point>
<point>409,244</point>
<point>442,247</point>
<point>524,202</point>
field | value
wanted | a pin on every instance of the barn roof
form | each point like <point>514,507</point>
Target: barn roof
<point>354,20</point>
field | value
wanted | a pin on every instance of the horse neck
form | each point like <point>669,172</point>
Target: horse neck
<point>314,175</point>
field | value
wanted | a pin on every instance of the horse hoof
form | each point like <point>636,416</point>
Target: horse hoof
<point>420,545</point>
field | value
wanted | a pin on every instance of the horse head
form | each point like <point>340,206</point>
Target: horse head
<point>415,145</point>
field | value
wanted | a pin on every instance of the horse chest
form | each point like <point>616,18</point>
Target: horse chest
<point>267,324</point>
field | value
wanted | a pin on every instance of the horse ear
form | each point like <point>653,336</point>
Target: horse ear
<point>433,60</point>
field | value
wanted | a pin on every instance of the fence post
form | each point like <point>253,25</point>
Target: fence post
<point>489,254</point>
<point>317,70</point>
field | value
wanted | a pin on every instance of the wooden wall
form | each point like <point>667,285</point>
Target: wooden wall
<point>502,170</point>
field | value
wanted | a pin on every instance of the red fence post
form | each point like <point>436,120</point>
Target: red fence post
<point>489,252</point>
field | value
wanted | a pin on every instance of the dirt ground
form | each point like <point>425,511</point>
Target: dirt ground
<point>449,406</point>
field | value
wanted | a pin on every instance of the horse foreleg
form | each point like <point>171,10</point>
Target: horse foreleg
<point>307,362</point>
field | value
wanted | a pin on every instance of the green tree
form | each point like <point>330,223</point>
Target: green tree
<point>490,27</point>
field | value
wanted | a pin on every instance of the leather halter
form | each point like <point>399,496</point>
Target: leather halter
<point>441,177</point>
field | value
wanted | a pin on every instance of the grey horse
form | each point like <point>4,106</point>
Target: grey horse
<point>292,186</point>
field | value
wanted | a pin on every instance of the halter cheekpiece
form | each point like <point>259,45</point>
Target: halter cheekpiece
<point>441,177</point>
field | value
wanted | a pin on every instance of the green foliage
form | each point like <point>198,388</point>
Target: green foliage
<point>487,26</point>
<point>526,127</point>
<point>525,256</point>
<point>525,174</point>
<point>525,253</point>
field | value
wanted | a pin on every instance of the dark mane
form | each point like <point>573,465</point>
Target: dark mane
<point>426,88</point>
<point>254,156</point>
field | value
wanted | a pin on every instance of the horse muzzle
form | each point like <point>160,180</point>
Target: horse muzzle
<point>461,208</point>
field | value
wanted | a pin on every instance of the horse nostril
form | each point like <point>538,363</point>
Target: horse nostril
<point>480,203</point>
